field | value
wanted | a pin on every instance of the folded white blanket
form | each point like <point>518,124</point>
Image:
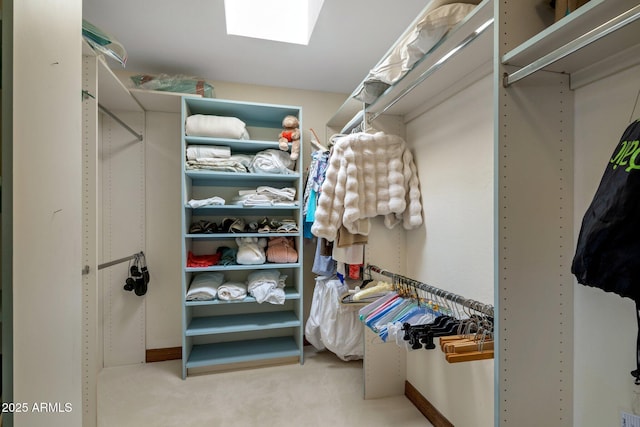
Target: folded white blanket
<point>272,161</point>
<point>204,286</point>
<point>231,291</point>
<point>216,127</point>
<point>195,152</point>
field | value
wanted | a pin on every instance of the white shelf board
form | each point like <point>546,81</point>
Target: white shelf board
<point>584,19</point>
<point>467,65</point>
<point>112,94</point>
<point>461,69</point>
<point>159,101</point>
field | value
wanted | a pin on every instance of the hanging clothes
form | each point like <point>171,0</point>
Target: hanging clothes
<point>368,175</point>
<point>609,241</point>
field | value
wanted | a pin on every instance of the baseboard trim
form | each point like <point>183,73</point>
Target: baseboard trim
<point>162,354</point>
<point>424,406</point>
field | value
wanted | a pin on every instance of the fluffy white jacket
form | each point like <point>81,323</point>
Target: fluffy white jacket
<point>368,175</point>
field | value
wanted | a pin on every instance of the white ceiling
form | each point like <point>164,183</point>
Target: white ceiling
<point>188,37</point>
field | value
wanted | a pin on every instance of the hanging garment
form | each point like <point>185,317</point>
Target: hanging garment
<point>609,241</point>
<point>368,175</point>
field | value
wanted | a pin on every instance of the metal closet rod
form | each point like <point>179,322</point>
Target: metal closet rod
<point>574,45</point>
<point>469,303</point>
<point>120,122</point>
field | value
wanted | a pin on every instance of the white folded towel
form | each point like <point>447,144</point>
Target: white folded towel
<point>204,286</point>
<point>216,127</point>
<point>215,200</point>
<point>230,291</point>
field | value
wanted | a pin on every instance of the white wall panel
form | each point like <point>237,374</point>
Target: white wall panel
<point>453,149</point>
<point>163,206</point>
<point>122,235</point>
<point>47,209</point>
<point>605,329</point>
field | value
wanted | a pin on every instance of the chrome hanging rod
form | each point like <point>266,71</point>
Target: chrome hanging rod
<point>86,268</point>
<point>120,122</point>
<point>574,45</point>
<point>458,299</point>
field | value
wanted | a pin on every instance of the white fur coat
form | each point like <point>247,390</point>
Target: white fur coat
<point>368,175</point>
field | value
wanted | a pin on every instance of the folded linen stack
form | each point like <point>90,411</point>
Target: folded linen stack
<point>204,286</point>
<point>267,286</point>
<point>233,163</point>
<point>267,196</point>
<point>272,161</point>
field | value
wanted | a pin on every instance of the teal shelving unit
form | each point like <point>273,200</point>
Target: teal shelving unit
<point>221,335</point>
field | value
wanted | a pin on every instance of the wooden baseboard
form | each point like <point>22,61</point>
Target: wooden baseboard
<point>424,406</point>
<point>162,354</point>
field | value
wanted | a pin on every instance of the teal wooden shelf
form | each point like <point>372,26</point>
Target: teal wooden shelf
<point>226,321</point>
<point>242,351</point>
<point>200,177</point>
<point>241,323</point>
<point>234,267</point>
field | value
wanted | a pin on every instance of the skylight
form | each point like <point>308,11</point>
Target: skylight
<point>289,21</point>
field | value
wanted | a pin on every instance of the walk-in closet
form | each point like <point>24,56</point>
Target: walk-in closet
<point>418,214</point>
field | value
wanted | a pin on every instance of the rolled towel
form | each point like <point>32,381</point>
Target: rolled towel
<point>232,291</point>
<point>216,127</point>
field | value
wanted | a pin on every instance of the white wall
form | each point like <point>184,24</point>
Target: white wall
<point>605,327</point>
<point>47,209</point>
<point>453,149</point>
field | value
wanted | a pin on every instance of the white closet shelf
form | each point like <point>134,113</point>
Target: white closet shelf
<point>234,352</point>
<point>289,294</point>
<point>112,94</point>
<point>241,323</point>
<point>159,101</point>
<point>447,71</point>
<point>592,15</point>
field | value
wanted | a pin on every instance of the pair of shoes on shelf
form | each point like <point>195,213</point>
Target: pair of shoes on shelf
<point>203,226</point>
<point>233,225</point>
<point>267,226</point>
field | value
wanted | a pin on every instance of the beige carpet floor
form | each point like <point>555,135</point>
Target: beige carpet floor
<point>324,391</point>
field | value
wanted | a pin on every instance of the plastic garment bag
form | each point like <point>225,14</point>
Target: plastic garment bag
<point>332,325</point>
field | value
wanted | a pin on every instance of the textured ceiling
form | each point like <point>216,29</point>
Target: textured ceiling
<point>188,37</point>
